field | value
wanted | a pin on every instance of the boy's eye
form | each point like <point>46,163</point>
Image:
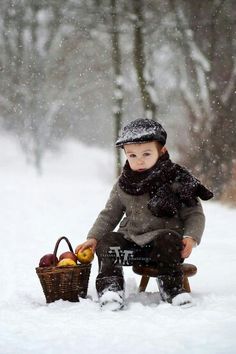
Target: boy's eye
<point>146,154</point>
<point>132,155</point>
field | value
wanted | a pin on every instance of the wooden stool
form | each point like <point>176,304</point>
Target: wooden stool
<point>146,272</point>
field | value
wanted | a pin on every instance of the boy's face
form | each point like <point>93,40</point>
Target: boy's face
<point>142,156</point>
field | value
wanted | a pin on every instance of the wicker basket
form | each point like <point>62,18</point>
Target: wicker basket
<point>66,283</point>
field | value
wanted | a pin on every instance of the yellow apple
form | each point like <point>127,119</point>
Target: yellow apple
<point>85,256</point>
<point>66,262</point>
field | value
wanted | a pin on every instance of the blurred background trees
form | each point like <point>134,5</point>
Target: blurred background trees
<point>80,69</point>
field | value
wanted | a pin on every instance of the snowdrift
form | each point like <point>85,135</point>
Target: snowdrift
<point>65,200</point>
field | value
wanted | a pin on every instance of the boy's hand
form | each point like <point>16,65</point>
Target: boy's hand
<point>91,243</point>
<point>188,244</point>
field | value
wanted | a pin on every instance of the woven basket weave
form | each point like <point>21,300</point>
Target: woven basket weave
<point>66,283</point>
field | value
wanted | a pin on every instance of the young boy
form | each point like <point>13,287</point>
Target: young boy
<point>163,217</point>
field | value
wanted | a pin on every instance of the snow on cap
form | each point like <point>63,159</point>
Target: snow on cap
<point>141,130</point>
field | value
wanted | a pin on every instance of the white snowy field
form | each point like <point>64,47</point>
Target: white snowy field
<point>35,211</point>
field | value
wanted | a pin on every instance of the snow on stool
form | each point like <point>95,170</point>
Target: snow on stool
<point>146,272</point>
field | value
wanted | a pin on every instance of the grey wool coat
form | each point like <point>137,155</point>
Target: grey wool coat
<point>138,224</point>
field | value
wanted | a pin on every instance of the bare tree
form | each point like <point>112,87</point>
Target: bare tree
<point>118,78</point>
<point>207,83</point>
<point>66,66</point>
<point>145,85</point>
<point>28,111</point>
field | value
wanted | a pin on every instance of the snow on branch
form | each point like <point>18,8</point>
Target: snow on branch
<point>190,98</point>
<point>230,89</point>
<point>198,56</point>
<point>203,90</point>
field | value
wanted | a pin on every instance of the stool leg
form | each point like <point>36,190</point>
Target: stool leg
<point>186,285</point>
<point>143,283</point>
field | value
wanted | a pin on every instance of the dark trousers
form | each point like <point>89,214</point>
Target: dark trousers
<point>114,252</point>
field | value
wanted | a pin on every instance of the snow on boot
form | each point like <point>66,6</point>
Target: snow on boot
<point>163,293</point>
<point>171,290</point>
<point>184,300</point>
<point>112,300</point>
<point>169,286</point>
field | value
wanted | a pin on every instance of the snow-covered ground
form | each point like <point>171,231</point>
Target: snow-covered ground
<point>35,211</point>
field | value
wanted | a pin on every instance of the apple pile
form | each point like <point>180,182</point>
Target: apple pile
<point>67,259</point>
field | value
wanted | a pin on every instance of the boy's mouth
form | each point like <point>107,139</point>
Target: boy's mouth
<point>141,169</point>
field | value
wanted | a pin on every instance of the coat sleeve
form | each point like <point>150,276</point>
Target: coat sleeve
<point>194,221</point>
<point>109,217</point>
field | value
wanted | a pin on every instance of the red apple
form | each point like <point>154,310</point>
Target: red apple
<point>48,260</point>
<point>68,254</point>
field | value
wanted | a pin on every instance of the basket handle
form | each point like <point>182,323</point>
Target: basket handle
<point>57,245</point>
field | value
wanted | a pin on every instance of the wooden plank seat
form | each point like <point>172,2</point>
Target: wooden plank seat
<point>146,272</point>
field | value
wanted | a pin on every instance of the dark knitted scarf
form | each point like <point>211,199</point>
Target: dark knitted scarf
<point>168,184</point>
